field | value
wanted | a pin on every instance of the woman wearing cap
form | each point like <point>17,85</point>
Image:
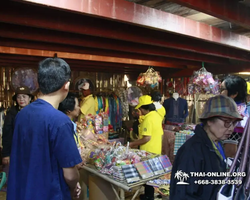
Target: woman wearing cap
<point>22,98</point>
<point>204,152</point>
<point>150,134</point>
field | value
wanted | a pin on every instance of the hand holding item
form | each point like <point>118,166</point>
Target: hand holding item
<point>6,160</point>
<point>80,165</point>
<point>77,191</point>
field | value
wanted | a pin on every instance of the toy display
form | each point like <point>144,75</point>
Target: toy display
<point>203,82</point>
<point>149,78</point>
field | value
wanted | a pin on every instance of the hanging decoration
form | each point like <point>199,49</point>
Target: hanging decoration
<point>202,82</point>
<point>149,78</point>
<point>134,94</point>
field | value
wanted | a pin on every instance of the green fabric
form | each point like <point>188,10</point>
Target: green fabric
<point>3,179</point>
<point>216,150</point>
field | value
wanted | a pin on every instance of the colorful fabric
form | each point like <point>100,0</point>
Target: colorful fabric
<point>242,110</point>
<point>165,162</point>
<point>180,139</point>
<point>152,126</point>
<point>130,173</point>
<point>144,169</point>
<point>156,166</point>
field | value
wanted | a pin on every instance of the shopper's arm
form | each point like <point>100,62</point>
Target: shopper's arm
<point>139,142</point>
<point>71,176</point>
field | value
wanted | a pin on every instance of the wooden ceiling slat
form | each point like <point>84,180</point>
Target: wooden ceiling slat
<point>36,36</point>
<point>129,12</point>
<point>69,55</point>
<point>104,52</point>
<point>66,22</point>
<point>231,11</point>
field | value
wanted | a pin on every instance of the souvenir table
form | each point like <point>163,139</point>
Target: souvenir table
<point>116,186</point>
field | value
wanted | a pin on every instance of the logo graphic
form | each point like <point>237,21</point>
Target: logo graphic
<point>181,176</point>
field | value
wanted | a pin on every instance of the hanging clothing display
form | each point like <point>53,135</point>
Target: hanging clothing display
<point>176,110</point>
<point>122,94</point>
<point>110,104</point>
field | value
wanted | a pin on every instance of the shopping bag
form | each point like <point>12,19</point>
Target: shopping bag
<point>226,192</point>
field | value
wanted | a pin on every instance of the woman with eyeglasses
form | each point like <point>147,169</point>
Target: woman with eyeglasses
<point>236,88</point>
<point>204,153</point>
<point>22,97</point>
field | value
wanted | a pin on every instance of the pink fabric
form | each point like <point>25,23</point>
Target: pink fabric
<point>168,144</point>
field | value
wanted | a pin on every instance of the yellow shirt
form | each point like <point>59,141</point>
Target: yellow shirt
<point>152,126</point>
<point>87,106</point>
<point>162,112</point>
<point>160,109</point>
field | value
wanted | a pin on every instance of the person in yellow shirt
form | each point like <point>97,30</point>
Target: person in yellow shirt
<point>150,134</point>
<point>87,105</point>
<point>157,98</point>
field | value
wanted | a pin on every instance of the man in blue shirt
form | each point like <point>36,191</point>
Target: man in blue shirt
<point>44,154</point>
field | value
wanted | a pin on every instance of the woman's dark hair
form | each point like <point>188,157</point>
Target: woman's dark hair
<point>236,85</point>
<point>149,107</point>
<point>68,104</point>
<point>156,96</point>
<point>53,73</point>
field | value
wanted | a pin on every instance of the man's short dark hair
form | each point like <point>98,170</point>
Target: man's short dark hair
<point>53,73</point>
<point>156,96</point>
<point>68,104</point>
<point>236,84</point>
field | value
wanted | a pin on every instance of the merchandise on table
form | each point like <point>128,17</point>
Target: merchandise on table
<point>156,166</point>
<point>130,173</point>
<point>130,165</point>
<point>144,170</point>
<point>166,164</point>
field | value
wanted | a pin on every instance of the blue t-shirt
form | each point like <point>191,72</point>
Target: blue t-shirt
<point>42,145</point>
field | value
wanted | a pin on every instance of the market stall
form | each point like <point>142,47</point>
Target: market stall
<point>116,187</point>
<point>176,134</point>
<point>111,163</point>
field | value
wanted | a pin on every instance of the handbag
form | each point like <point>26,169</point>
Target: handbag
<point>240,164</point>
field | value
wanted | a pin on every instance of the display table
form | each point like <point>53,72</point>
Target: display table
<point>117,187</point>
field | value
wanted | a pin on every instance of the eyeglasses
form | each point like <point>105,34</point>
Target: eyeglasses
<point>228,123</point>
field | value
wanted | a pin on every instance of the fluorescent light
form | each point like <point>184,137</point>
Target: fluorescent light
<point>244,73</point>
